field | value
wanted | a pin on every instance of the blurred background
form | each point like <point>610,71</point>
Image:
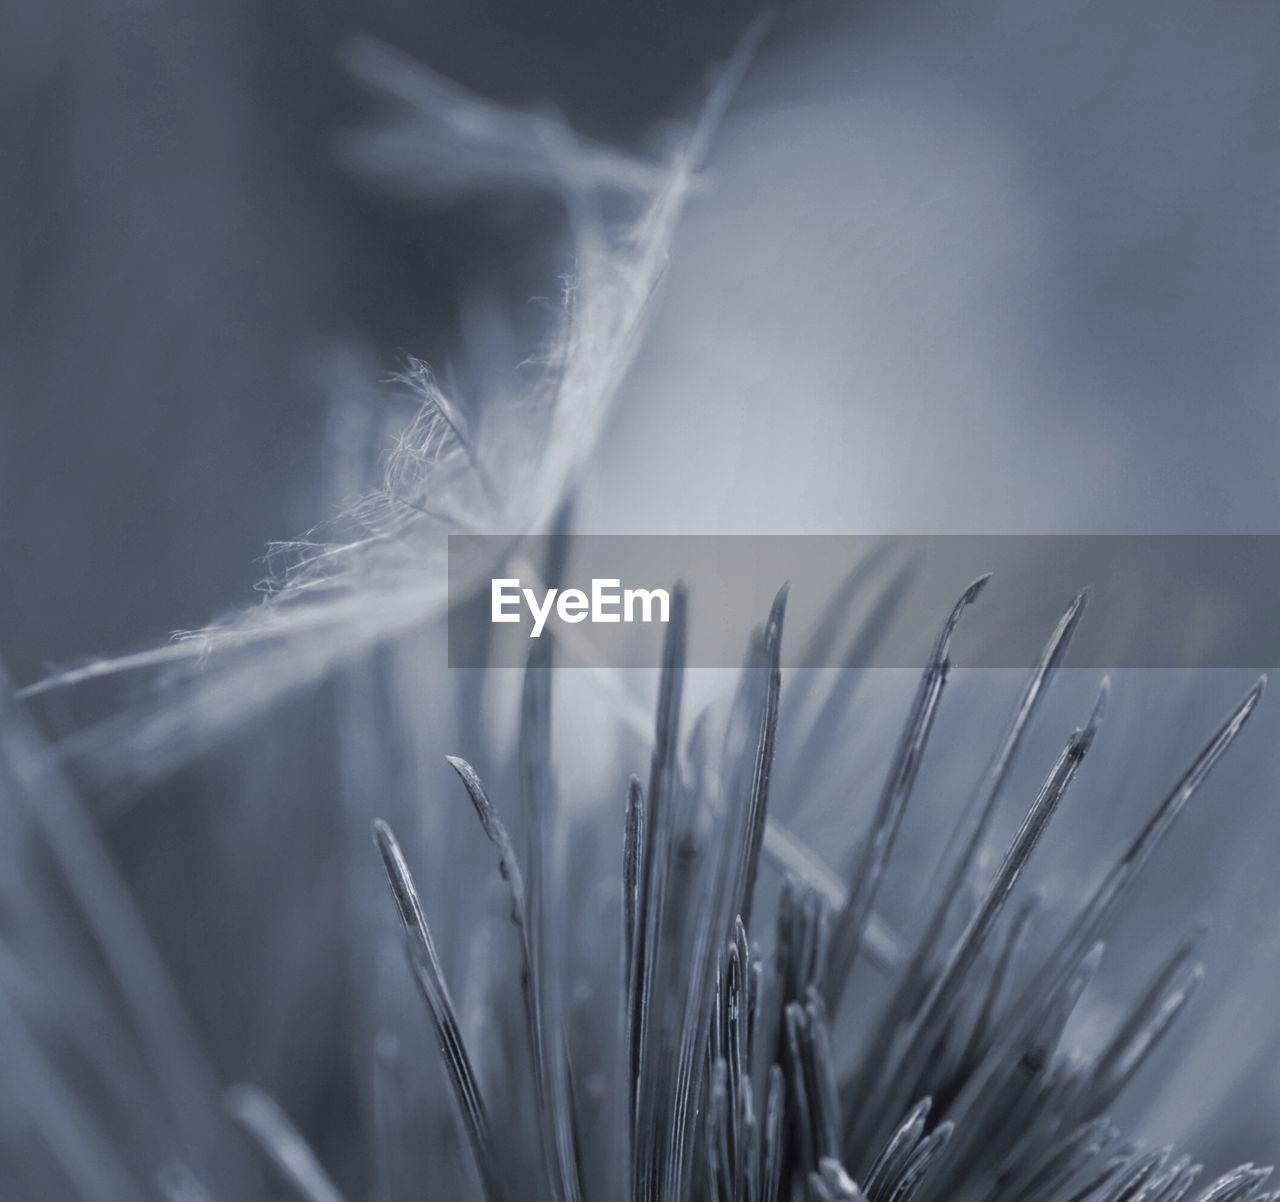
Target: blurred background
<point>1030,247</point>
<point>1009,268</point>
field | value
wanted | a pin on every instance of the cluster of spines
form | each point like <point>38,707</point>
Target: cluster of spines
<point>734,1091</point>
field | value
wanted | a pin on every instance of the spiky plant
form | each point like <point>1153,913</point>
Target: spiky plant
<point>735,1086</point>
<point>691,1034</point>
<point>715,1052</point>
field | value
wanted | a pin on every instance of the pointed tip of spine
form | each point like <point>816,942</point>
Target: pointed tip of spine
<point>1104,696</point>
<point>479,800</point>
<point>1092,958</point>
<point>1074,612</point>
<point>966,599</point>
<point>470,779</point>
<point>920,1111</point>
<point>396,869</point>
<point>1255,693</point>
<point>777,611</point>
<point>1243,712</point>
<point>974,590</point>
<point>1085,737</point>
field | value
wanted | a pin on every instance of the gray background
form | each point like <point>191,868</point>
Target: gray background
<point>998,268</point>
<point>1006,268</point>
